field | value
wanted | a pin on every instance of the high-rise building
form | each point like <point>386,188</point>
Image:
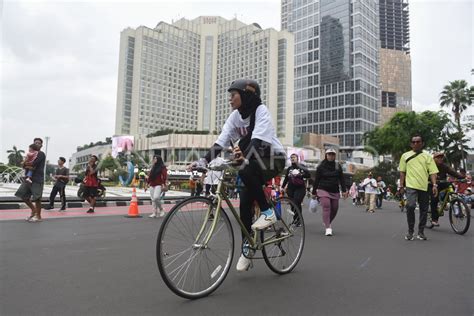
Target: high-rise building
<point>336,67</point>
<point>176,76</point>
<point>395,62</point>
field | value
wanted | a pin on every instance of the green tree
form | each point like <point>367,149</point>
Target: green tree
<point>455,145</point>
<point>108,163</point>
<point>15,156</point>
<point>393,138</point>
<point>459,97</point>
<point>77,168</point>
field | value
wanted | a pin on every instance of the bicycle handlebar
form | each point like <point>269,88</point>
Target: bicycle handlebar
<point>226,164</point>
<point>463,180</point>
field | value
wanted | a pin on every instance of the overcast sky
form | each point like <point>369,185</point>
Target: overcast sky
<point>59,59</point>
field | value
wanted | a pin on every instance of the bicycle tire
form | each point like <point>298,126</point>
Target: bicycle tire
<point>282,257</point>
<point>177,253</point>
<point>462,216</point>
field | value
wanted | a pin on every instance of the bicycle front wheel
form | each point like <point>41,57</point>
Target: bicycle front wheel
<point>459,216</point>
<point>189,266</point>
<point>283,256</point>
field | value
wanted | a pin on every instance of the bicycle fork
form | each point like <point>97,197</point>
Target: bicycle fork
<point>208,219</point>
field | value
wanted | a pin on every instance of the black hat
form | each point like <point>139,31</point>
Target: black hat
<point>245,85</point>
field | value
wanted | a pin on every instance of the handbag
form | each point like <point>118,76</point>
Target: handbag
<point>313,205</point>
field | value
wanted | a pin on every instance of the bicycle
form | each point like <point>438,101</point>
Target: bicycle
<point>195,244</point>
<point>459,212</point>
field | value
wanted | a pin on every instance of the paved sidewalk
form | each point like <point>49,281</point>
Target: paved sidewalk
<point>9,189</point>
<point>77,212</point>
<point>145,210</point>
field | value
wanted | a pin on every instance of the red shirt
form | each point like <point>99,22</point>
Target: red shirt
<point>91,179</point>
<point>160,179</point>
<point>462,186</point>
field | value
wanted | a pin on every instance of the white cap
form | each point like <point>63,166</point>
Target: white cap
<point>330,150</point>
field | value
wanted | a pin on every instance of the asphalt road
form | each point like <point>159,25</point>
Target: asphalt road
<point>107,266</point>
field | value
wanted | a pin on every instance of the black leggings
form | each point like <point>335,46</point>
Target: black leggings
<point>297,195</point>
<point>254,176</point>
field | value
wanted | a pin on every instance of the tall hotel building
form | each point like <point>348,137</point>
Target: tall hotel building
<point>175,76</point>
<point>395,62</point>
<point>336,67</point>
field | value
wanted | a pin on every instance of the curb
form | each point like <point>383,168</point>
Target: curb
<point>19,206</point>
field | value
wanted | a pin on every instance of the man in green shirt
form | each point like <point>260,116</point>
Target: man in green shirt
<point>416,166</point>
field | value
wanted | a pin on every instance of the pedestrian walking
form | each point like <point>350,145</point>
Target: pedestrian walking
<point>91,183</point>
<point>199,185</point>
<point>295,181</point>
<point>33,192</point>
<point>141,179</point>
<point>381,187</point>
<point>212,177</point>
<point>157,182</point>
<point>328,183</point>
<point>416,166</point>
<point>361,194</point>
<point>192,185</point>
<point>353,192</point>
<point>370,186</point>
<point>62,178</point>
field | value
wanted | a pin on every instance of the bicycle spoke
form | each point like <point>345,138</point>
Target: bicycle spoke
<point>283,252</point>
<point>188,266</point>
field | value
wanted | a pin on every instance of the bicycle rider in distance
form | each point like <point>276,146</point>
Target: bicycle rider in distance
<point>444,169</point>
<point>259,153</point>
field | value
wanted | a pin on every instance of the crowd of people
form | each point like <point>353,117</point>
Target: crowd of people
<point>250,133</point>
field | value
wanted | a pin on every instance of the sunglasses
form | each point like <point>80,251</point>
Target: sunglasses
<point>416,141</point>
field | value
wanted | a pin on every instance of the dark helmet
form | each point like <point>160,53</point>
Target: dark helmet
<point>245,85</point>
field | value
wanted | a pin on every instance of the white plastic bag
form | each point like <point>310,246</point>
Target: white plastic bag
<point>313,205</point>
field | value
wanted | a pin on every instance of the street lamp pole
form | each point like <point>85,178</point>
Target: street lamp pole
<point>46,157</point>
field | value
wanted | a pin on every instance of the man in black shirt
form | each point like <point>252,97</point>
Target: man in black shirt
<point>33,192</point>
<point>444,169</point>
<point>62,178</point>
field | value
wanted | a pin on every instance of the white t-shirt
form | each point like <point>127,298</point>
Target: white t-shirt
<point>381,186</point>
<point>213,176</point>
<point>235,128</point>
<point>370,185</point>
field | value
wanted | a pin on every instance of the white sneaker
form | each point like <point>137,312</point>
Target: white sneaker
<point>162,213</point>
<point>152,215</point>
<point>35,219</point>
<point>243,264</point>
<point>328,231</point>
<point>264,221</point>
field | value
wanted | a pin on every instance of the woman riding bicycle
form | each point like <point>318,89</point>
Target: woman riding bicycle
<point>259,152</point>
<point>444,170</point>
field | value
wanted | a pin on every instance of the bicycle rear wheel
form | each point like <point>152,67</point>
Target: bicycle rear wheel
<point>459,216</point>
<point>190,268</point>
<point>283,256</point>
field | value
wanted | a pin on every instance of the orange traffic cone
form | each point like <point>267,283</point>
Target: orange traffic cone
<point>133,209</point>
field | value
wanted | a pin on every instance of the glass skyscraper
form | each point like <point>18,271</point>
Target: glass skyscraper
<point>336,67</point>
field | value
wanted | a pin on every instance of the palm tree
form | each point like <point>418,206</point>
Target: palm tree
<point>15,156</point>
<point>449,142</point>
<point>459,96</point>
